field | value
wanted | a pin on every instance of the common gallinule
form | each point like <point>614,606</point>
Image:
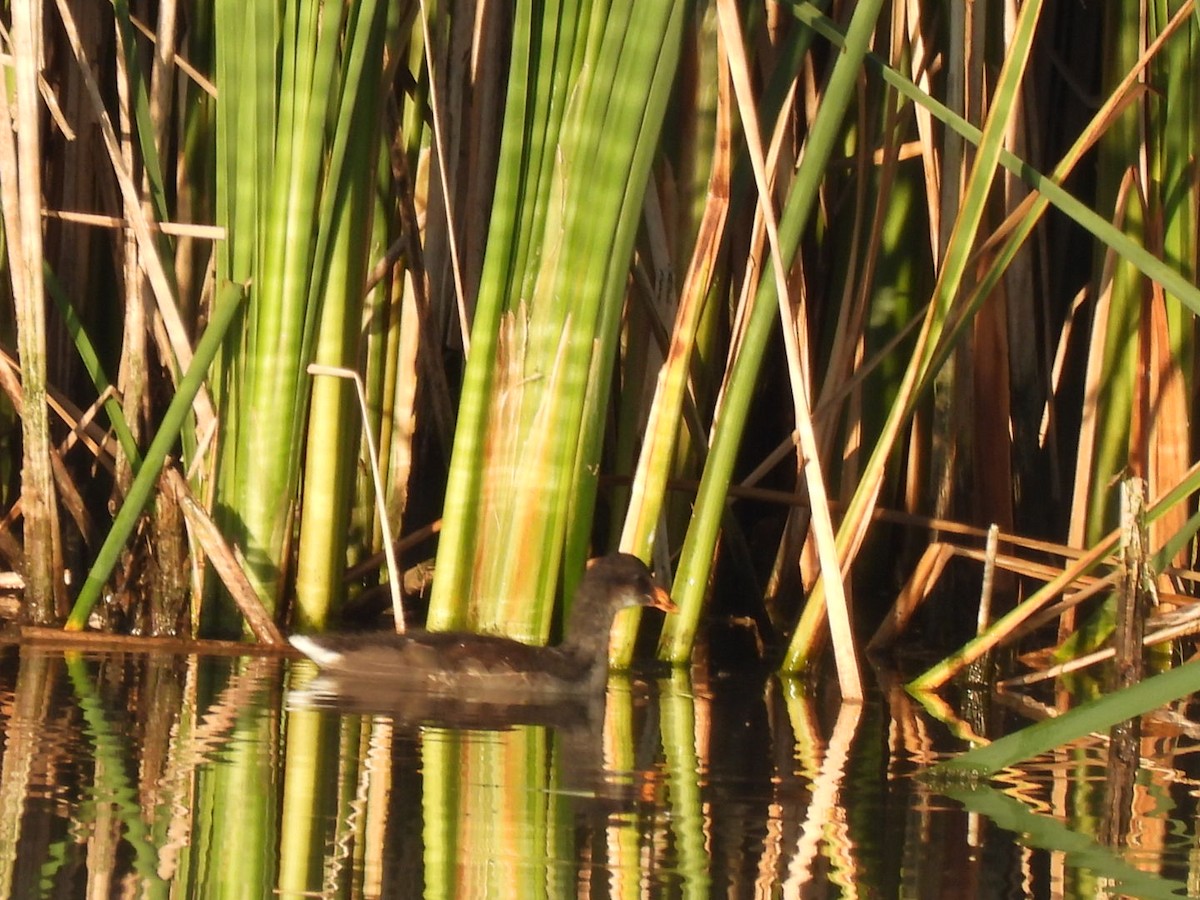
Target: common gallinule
<point>482,666</point>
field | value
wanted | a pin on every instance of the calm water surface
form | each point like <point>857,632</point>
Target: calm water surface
<point>134,775</point>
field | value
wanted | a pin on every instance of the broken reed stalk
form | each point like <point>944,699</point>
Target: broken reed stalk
<point>989,579</point>
<point>225,563</point>
<point>943,671</point>
<point>939,674</point>
<point>1170,627</point>
<point>916,590</point>
<point>389,549</point>
<point>1133,595</point>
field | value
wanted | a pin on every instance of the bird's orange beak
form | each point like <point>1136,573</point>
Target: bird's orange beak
<point>662,600</point>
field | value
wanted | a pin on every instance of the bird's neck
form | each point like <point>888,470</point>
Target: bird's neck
<point>587,636</point>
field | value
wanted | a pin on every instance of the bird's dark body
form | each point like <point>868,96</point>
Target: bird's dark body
<point>492,669</point>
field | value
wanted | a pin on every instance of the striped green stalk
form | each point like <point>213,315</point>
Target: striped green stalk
<point>331,457</point>
<point>311,755</point>
<point>691,577</point>
<point>236,854</point>
<point>584,479</point>
<point>265,438</point>
<point>296,207</point>
<point>684,792</point>
<point>574,164</point>
<point>461,508</point>
<point>344,230</point>
<point>245,128</point>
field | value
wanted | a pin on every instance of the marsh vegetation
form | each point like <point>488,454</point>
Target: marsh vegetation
<point>758,292</point>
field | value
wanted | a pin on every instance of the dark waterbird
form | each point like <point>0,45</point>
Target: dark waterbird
<point>487,669</point>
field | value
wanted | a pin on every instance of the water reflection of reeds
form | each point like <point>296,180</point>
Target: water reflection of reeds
<point>132,775</point>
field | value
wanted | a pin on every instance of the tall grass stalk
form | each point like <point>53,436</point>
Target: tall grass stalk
<point>799,379</point>
<point>691,578</point>
<point>1141,344</point>
<point>958,252</point>
<point>657,457</point>
<point>301,246</point>
<point>345,228</point>
<point>21,198</point>
<point>591,191</point>
<point>567,204</point>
